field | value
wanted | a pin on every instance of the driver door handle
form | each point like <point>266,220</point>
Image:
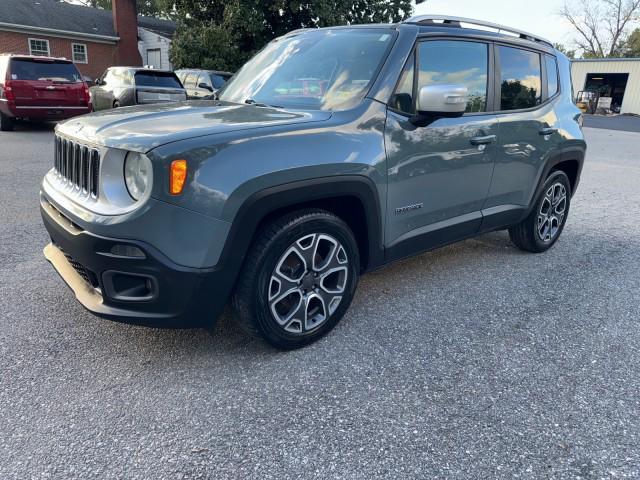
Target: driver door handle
<point>548,131</point>
<point>487,139</point>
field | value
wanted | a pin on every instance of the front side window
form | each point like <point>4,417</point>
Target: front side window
<point>218,81</point>
<point>204,79</point>
<point>552,75</point>
<point>39,47</point>
<point>520,78</point>
<point>190,80</point>
<point>446,62</point>
<point>79,51</point>
<point>319,69</point>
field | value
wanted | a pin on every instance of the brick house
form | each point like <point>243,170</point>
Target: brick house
<point>94,39</point>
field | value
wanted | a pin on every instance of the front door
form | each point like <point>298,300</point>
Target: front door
<point>439,175</point>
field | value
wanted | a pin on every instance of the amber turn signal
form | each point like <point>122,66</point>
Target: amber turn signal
<point>177,176</point>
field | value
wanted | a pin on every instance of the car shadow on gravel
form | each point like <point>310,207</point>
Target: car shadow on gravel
<point>22,126</point>
<point>225,338</point>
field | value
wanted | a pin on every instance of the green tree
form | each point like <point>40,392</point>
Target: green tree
<point>223,35</point>
<point>632,44</point>
<point>150,8</point>
<point>569,53</point>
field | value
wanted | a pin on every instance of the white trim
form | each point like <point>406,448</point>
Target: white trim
<point>86,53</point>
<point>33,39</point>
<point>12,27</point>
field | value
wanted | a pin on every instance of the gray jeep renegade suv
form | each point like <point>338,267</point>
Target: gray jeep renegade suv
<point>330,153</point>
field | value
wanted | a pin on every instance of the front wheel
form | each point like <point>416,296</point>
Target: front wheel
<point>543,226</point>
<point>298,279</point>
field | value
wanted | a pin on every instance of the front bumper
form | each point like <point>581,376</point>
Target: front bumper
<point>145,290</point>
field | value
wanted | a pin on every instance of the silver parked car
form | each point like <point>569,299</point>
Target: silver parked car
<point>202,84</point>
<point>123,86</point>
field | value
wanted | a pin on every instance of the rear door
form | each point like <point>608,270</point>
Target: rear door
<point>46,83</point>
<point>439,174</point>
<point>527,82</point>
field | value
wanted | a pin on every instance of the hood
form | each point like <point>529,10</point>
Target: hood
<point>143,128</point>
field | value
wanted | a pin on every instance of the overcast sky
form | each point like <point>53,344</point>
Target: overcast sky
<point>539,17</point>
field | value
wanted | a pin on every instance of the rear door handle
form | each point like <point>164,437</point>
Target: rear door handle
<point>487,139</point>
<point>548,131</point>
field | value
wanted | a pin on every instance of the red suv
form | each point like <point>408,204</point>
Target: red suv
<point>40,88</point>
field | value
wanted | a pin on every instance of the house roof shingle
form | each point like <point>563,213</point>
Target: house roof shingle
<point>57,15</point>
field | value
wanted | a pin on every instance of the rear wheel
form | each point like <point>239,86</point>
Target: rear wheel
<point>542,228</point>
<point>6,123</point>
<point>116,104</point>
<point>298,279</point>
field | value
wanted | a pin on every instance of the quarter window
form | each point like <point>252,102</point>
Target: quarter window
<point>79,51</point>
<point>39,47</point>
<point>552,75</point>
<point>520,78</point>
<point>402,99</point>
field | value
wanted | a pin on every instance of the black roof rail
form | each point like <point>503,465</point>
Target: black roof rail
<point>450,21</point>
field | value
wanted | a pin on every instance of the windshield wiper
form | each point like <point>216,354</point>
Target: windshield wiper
<point>251,101</point>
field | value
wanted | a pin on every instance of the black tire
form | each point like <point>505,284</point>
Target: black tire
<point>6,123</point>
<point>526,234</point>
<point>254,290</point>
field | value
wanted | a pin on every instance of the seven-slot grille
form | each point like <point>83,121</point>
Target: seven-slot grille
<point>77,164</point>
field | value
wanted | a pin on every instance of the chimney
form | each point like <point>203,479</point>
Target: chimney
<point>125,24</point>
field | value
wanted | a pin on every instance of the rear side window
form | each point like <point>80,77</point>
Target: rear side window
<point>28,69</point>
<point>157,79</point>
<point>520,78</point>
<point>552,75</point>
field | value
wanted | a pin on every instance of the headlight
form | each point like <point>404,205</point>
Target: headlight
<point>137,174</point>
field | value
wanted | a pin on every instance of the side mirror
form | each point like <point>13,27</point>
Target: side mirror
<point>442,100</point>
<point>205,86</point>
<point>98,82</point>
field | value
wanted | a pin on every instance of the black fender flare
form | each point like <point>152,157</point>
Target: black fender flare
<point>264,202</point>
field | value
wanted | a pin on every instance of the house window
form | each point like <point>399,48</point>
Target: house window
<point>79,51</point>
<point>39,47</point>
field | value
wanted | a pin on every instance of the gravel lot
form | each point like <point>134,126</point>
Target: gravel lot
<point>474,361</point>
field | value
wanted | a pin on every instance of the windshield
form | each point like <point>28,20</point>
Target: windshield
<point>30,69</point>
<point>157,79</point>
<point>320,69</point>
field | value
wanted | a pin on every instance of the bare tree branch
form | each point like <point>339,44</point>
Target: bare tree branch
<point>601,25</point>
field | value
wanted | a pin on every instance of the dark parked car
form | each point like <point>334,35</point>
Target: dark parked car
<point>329,154</point>
<point>40,88</point>
<point>202,84</point>
<point>125,86</point>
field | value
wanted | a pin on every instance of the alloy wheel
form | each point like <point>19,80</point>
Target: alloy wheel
<point>552,212</point>
<point>308,283</point>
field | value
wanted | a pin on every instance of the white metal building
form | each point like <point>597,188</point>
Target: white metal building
<point>618,78</point>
